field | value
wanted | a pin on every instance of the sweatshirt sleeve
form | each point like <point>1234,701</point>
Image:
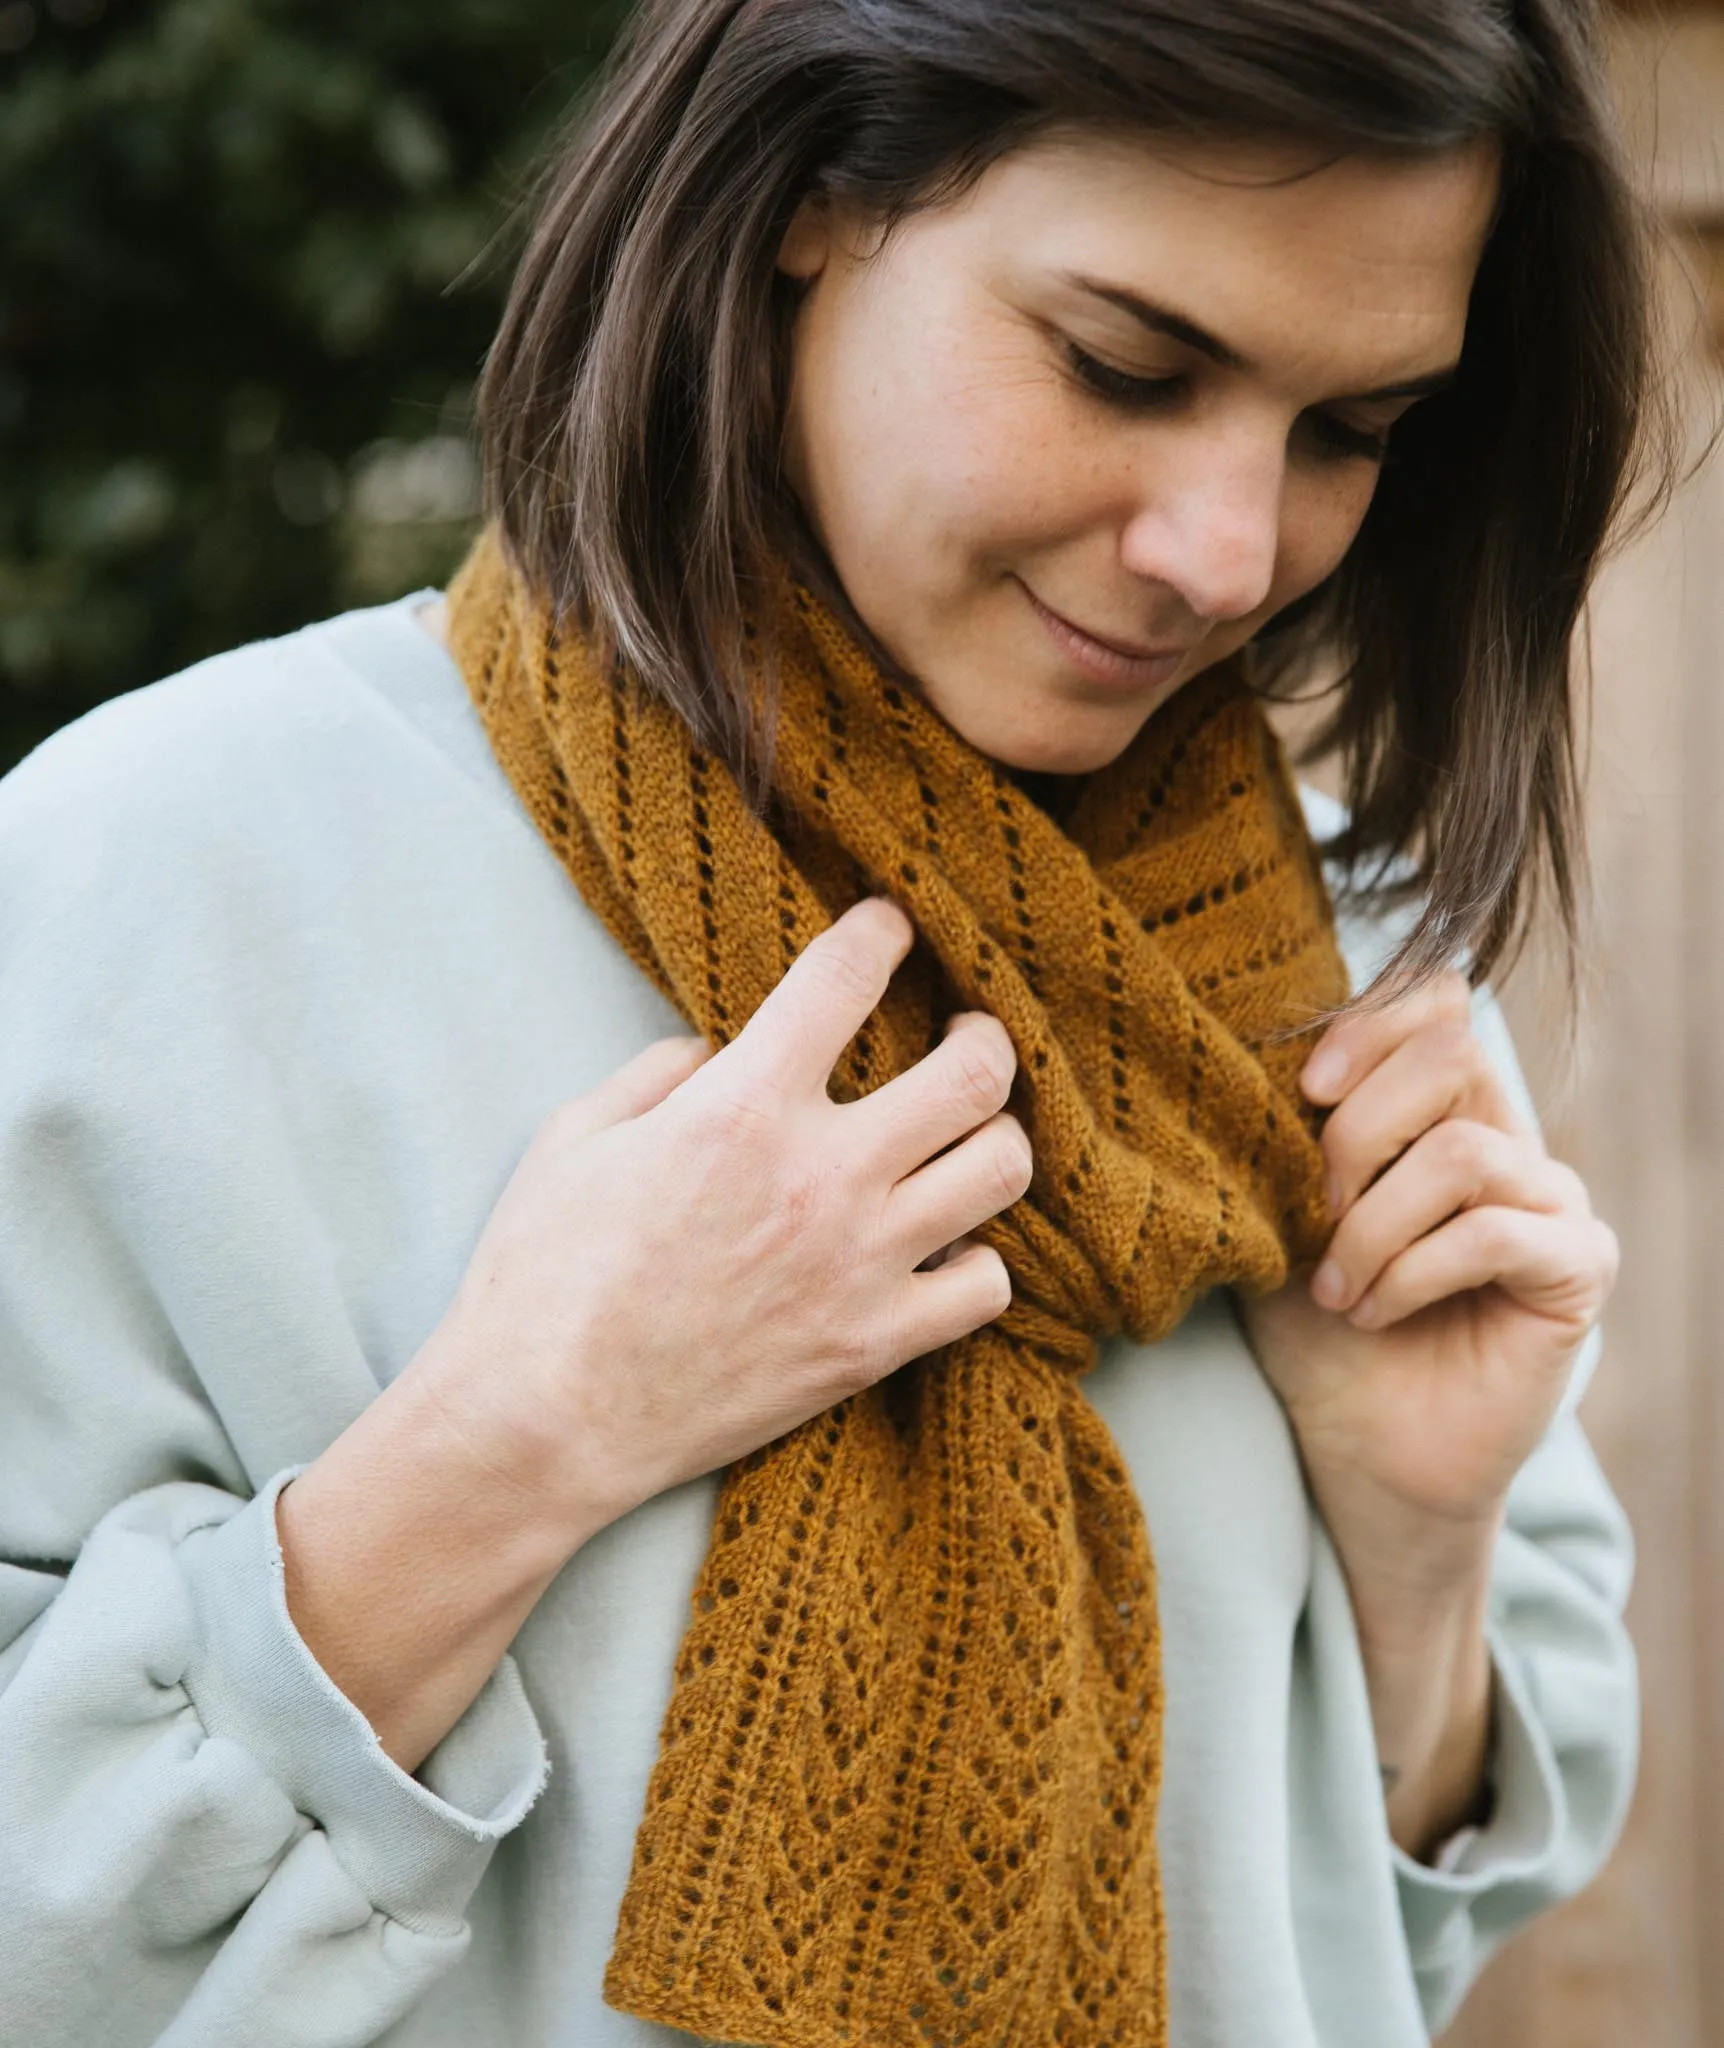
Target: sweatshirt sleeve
<point>1566,1695</point>
<point>202,1842</point>
<point>1567,1720</point>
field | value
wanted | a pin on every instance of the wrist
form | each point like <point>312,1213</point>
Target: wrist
<point>510,1443</point>
<point>413,1551</point>
<point>1410,1569</point>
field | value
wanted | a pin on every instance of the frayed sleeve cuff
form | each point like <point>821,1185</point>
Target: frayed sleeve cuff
<point>417,1846</point>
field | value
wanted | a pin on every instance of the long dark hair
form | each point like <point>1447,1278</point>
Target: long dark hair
<point>632,405</point>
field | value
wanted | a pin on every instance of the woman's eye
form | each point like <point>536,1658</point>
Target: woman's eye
<point>1335,439</point>
<point>1119,387</point>
<point>1339,440</point>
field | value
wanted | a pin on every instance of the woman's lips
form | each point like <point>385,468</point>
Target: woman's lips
<point>1106,660</point>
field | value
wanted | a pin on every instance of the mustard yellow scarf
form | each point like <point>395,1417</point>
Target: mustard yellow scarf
<point>907,1779</point>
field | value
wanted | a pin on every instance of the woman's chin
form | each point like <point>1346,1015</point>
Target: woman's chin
<point>1057,735</point>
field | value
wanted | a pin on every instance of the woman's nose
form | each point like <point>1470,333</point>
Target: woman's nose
<point>1212,534</point>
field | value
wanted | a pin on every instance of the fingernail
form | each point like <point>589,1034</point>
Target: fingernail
<point>1332,1194</point>
<point>1327,1285</point>
<point>1367,1311</point>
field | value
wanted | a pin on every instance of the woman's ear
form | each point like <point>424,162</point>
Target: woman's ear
<point>807,241</point>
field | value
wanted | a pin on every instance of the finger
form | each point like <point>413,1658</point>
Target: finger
<point>1364,1037</point>
<point>948,1092</point>
<point>946,1251</point>
<point>825,997</point>
<point>640,1085</point>
<point>968,1288</point>
<point>961,1189</point>
<point>1456,1165</point>
<point>1441,1071</point>
<point>1558,1266</point>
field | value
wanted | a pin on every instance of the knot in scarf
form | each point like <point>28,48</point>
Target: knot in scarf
<point>906,1781</point>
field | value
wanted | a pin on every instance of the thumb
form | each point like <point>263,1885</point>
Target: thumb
<point>638,1086</point>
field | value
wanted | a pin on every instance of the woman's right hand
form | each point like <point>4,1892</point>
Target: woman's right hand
<point>706,1250</point>
<point>691,1259</point>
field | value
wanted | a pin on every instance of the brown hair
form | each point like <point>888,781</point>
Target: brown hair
<point>632,404</point>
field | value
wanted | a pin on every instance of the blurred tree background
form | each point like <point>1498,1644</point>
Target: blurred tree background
<point>251,253</point>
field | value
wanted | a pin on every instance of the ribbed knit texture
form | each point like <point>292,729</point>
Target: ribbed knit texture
<point>906,1782</point>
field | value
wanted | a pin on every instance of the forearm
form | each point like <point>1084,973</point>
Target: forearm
<point>1420,1606</point>
<point>1431,1710</point>
<point>415,1547</point>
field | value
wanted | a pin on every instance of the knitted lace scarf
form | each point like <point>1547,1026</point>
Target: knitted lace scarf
<point>906,1783</point>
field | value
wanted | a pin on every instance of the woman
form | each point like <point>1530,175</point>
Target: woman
<point>863,1524</point>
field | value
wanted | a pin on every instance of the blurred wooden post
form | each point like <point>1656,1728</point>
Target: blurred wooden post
<point>1639,1959</point>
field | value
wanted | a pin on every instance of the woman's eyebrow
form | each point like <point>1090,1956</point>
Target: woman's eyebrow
<point>1163,320</point>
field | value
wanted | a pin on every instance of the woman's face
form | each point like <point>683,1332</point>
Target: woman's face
<point>1074,437</point>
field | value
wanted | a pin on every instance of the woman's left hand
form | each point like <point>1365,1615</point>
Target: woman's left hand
<point>1428,1353</point>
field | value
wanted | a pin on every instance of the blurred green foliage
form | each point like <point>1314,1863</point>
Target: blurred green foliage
<point>251,252</point>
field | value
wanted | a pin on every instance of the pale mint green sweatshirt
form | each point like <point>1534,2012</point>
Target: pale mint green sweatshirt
<point>287,981</point>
